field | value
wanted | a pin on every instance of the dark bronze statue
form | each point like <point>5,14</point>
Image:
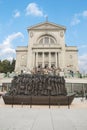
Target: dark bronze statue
<point>36,84</point>
<point>42,89</point>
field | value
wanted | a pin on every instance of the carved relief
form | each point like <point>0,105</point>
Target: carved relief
<point>61,33</point>
<point>31,34</point>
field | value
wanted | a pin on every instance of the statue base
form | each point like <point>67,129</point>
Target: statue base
<point>38,100</point>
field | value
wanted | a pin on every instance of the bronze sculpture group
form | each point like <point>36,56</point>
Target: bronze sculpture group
<point>38,89</point>
<point>38,85</point>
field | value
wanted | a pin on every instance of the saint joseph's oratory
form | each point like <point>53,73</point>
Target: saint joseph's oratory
<point>46,49</point>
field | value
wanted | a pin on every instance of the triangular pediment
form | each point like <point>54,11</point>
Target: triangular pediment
<point>47,25</point>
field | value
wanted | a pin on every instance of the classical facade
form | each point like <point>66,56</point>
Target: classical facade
<point>46,48</point>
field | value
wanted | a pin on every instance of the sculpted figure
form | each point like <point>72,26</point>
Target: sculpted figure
<point>37,85</point>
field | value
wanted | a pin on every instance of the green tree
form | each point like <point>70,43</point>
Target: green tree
<point>12,65</point>
<point>1,67</point>
<point>7,66</point>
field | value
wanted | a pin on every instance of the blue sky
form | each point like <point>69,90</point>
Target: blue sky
<point>17,15</point>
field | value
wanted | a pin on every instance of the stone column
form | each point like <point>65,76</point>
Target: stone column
<point>59,59</point>
<point>43,59</point>
<point>56,65</point>
<point>49,59</point>
<point>36,59</point>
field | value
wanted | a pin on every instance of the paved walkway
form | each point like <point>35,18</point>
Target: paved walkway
<point>43,118</point>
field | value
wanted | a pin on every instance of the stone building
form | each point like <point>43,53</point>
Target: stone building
<point>46,48</point>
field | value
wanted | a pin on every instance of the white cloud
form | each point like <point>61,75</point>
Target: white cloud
<point>77,18</point>
<point>33,9</point>
<point>75,21</point>
<point>16,14</point>
<point>83,63</point>
<point>84,14</point>
<point>6,47</point>
<point>82,46</point>
<point>10,58</point>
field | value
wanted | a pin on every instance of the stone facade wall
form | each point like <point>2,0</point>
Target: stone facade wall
<point>64,57</point>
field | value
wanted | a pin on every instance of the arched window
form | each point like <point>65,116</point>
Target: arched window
<point>47,40</point>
